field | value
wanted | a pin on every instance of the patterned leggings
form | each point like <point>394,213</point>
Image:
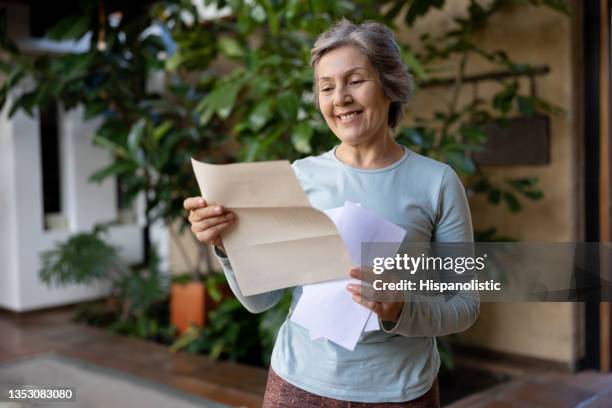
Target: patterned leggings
<point>281,394</point>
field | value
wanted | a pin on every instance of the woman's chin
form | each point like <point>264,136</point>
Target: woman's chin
<point>354,139</point>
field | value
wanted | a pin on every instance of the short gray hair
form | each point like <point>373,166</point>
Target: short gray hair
<point>377,42</point>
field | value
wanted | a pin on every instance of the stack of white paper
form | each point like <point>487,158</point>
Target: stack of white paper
<point>327,309</point>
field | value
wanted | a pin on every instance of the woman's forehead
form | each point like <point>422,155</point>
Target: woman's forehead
<point>342,61</point>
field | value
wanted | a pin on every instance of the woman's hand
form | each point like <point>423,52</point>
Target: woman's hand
<point>208,221</point>
<point>365,295</point>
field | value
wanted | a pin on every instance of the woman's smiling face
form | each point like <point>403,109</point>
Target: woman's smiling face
<point>351,97</point>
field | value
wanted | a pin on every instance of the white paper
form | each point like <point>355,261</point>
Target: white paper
<point>327,309</point>
<point>357,225</point>
<point>372,323</point>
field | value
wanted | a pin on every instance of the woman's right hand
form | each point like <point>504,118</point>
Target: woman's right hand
<point>208,221</point>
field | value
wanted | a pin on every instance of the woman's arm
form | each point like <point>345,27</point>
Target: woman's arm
<point>436,317</point>
<point>441,315</point>
<point>255,303</point>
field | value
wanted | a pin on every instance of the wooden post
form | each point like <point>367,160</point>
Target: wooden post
<point>605,179</point>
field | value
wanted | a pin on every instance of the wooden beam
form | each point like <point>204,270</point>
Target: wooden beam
<point>605,174</point>
<point>605,178</point>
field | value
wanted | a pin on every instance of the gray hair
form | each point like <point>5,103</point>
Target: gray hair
<point>377,42</point>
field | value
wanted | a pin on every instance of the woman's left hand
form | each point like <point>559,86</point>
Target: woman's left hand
<point>365,296</point>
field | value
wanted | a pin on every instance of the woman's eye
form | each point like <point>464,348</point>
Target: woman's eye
<point>355,82</point>
<point>326,89</point>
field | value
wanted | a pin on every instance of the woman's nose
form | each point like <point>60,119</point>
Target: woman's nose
<point>342,96</point>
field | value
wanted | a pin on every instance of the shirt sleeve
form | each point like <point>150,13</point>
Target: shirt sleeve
<point>255,303</point>
<point>442,315</point>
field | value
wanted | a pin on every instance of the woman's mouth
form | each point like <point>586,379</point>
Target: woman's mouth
<point>348,117</point>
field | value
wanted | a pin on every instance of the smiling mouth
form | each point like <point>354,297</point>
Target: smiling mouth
<point>347,117</point>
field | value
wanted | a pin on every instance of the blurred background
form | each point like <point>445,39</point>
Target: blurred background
<point>104,102</point>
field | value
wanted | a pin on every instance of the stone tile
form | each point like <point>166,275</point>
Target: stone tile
<point>476,400</point>
<point>506,403</point>
<point>228,383</point>
<point>238,385</point>
<point>592,381</point>
<point>217,392</point>
<point>5,355</point>
<point>548,394</point>
<point>603,400</point>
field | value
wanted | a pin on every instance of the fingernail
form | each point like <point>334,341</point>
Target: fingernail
<point>201,202</point>
<point>218,209</point>
<point>230,215</point>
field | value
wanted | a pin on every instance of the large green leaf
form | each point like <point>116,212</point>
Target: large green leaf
<point>301,136</point>
<point>71,27</point>
<point>161,130</point>
<point>460,162</point>
<point>220,101</point>
<point>260,114</point>
<point>473,134</point>
<point>503,99</point>
<point>27,101</point>
<point>135,138</point>
<point>511,201</point>
<point>288,104</point>
<point>419,8</point>
<point>114,169</point>
<point>230,47</point>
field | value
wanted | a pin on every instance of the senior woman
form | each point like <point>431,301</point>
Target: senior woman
<point>361,88</point>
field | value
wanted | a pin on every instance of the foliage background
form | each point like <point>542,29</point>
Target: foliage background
<point>168,84</point>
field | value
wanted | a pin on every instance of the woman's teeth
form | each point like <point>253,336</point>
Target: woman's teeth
<point>349,116</point>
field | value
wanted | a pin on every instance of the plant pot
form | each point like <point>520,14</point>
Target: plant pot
<point>188,305</point>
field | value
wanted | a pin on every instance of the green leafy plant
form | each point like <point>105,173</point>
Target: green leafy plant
<point>234,333</point>
<point>85,258</point>
<point>265,99</point>
<point>456,130</point>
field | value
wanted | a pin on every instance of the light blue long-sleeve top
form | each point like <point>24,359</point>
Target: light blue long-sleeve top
<point>401,361</point>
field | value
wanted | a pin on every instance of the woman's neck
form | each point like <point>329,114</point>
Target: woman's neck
<point>375,154</point>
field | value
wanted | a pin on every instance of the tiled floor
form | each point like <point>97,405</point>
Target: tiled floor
<point>239,385</point>
<point>30,334</point>
<point>587,389</point>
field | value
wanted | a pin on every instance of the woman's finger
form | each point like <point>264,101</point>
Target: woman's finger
<point>376,307</point>
<point>211,235</point>
<point>361,290</point>
<point>211,222</point>
<point>365,291</point>
<point>364,274</point>
<point>206,212</point>
<point>370,293</point>
<point>193,203</point>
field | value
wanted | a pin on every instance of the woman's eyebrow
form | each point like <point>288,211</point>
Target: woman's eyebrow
<point>347,72</point>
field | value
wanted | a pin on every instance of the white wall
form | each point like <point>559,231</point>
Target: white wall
<point>22,236</point>
<point>8,244</point>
